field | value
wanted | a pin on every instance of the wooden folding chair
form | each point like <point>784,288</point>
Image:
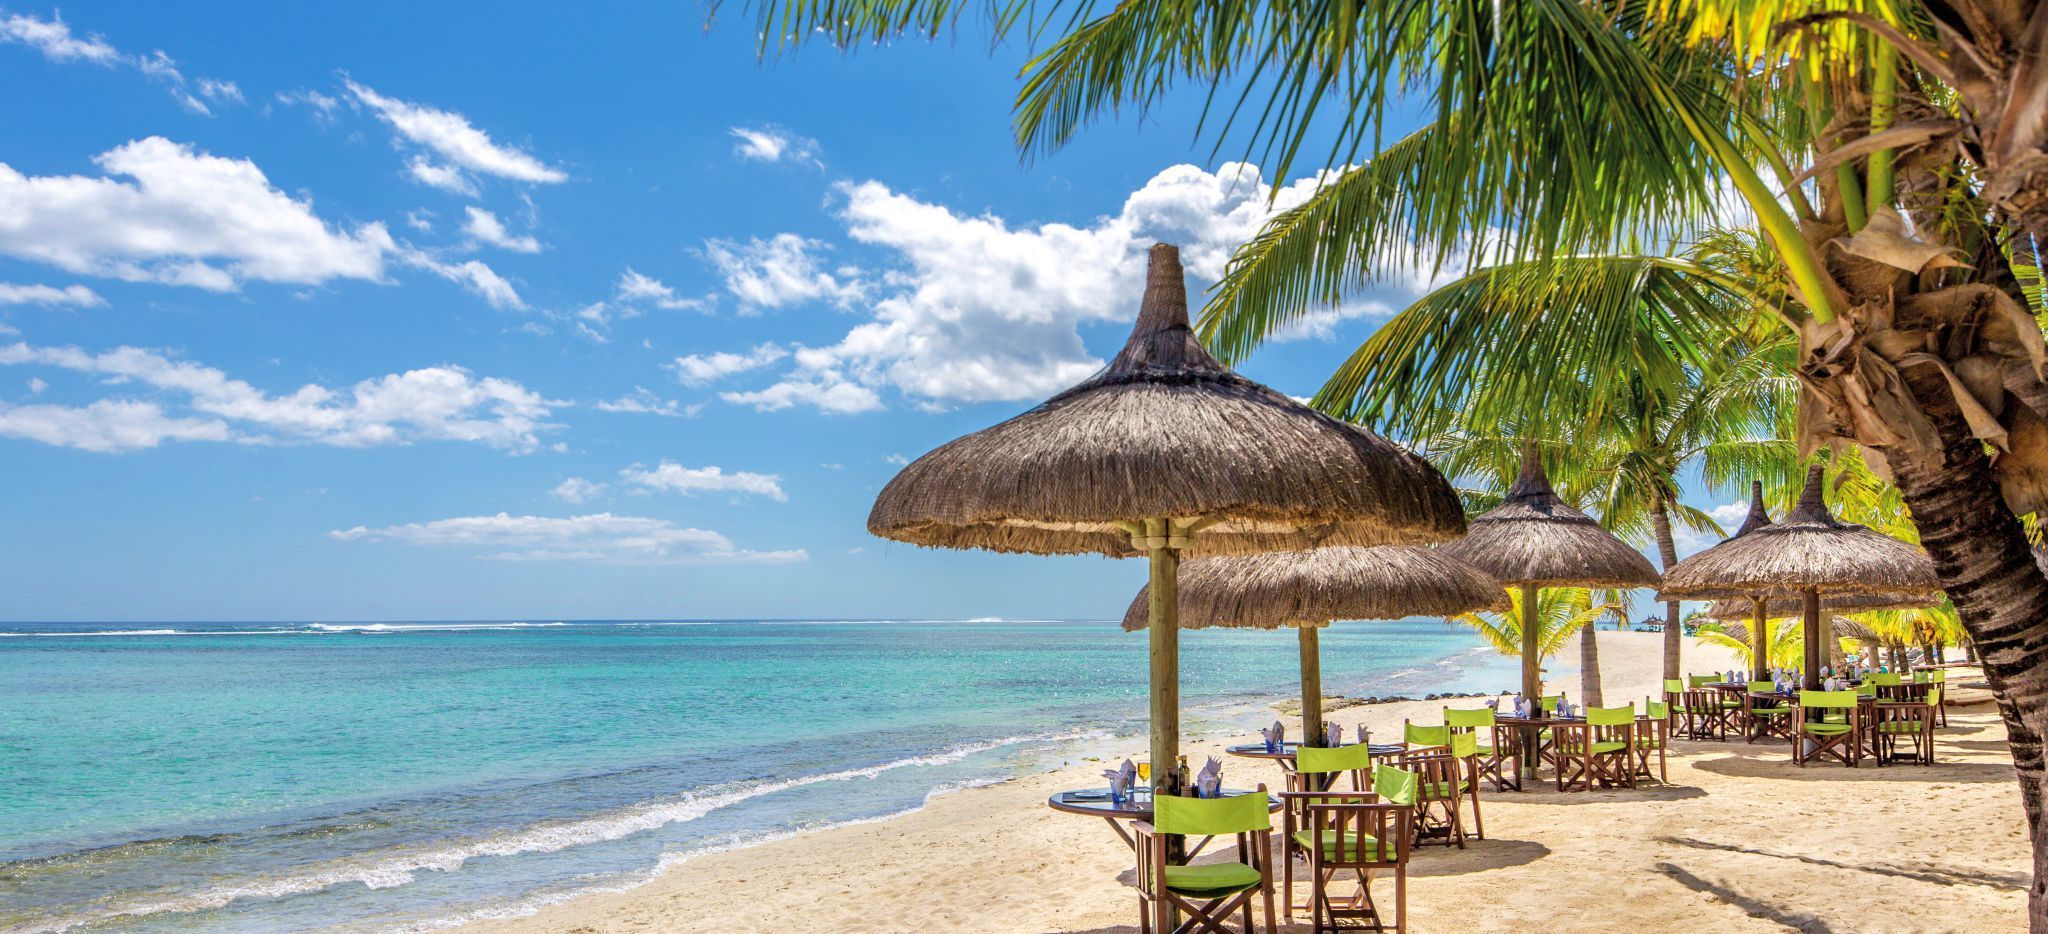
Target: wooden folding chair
<point>1357,834</point>
<point>1890,722</point>
<point>1701,714</point>
<point>1764,717</point>
<point>1832,723</point>
<point>1317,772</point>
<point>1496,757</point>
<point>1653,734</point>
<point>1939,678</point>
<point>1209,893</point>
<point>1440,792</point>
<point>1600,752</point>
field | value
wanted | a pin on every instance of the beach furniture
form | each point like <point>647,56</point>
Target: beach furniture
<point>1600,749</point>
<point>1765,712</point>
<point>1912,721</point>
<point>1809,553</point>
<point>1096,802</point>
<point>1653,734</point>
<point>1351,836</point>
<point>1702,715</point>
<point>1493,754</point>
<point>1316,771</point>
<point>1830,725</point>
<point>1439,795</point>
<point>1937,676</point>
<point>1209,893</point>
<point>1534,539</point>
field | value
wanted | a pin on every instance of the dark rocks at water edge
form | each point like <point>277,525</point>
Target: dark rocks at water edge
<point>1333,702</point>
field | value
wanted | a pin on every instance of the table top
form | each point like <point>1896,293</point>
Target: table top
<point>1095,802</point>
<point>1287,750</point>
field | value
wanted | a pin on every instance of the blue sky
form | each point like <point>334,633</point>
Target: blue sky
<point>423,311</point>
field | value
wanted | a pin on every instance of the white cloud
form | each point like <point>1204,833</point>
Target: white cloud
<point>775,144</point>
<point>472,275</point>
<point>699,369</point>
<point>974,308</point>
<point>484,227</point>
<point>598,538</point>
<point>36,386</point>
<point>57,43</point>
<point>457,143</point>
<point>421,220</point>
<point>53,38</point>
<point>643,401</point>
<point>577,490</point>
<point>435,175</point>
<point>1322,323</point>
<point>779,271</point>
<point>897,459</point>
<point>636,288</point>
<point>441,403</point>
<point>1730,515</point>
<point>186,218</point>
<point>676,478</point>
<point>322,106</point>
<point>12,294</point>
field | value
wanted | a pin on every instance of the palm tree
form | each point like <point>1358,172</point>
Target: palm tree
<point>1910,137</point>
<point>1561,612</point>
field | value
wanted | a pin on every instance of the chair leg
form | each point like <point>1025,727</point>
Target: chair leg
<point>1269,904</point>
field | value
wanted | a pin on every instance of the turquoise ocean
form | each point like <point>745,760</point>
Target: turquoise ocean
<point>404,776</point>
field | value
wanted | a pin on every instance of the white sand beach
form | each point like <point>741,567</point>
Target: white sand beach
<point>1739,840</point>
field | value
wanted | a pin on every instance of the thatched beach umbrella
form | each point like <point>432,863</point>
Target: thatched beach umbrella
<point>1757,608</point>
<point>1809,552</point>
<point>1164,453</point>
<point>1534,540</point>
<point>1308,590</point>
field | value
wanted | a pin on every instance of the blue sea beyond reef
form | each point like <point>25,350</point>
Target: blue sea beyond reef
<point>402,776</point>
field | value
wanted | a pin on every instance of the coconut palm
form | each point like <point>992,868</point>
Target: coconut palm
<point>1561,613</point>
<point>1894,160</point>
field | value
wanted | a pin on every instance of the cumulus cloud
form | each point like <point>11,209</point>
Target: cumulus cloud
<point>775,144</point>
<point>78,295</point>
<point>484,227</point>
<point>598,538</point>
<point>676,478</point>
<point>634,288</point>
<point>458,145</point>
<point>780,270</point>
<point>440,403</point>
<point>577,490</point>
<point>974,308</point>
<point>167,213</point>
<point>700,369</point>
<point>643,401</point>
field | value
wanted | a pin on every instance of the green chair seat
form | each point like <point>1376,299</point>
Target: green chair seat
<point>1770,711</point>
<point>1347,850</point>
<point>1825,729</point>
<point>1896,726</point>
<point>1442,789</point>
<point>1647,740</point>
<point>1606,746</point>
<point>1209,880</point>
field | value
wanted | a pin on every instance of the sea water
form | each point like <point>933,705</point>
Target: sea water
<point>406,775</point>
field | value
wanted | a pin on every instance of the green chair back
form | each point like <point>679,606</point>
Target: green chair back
<point>1701,680</point>
<point>1883,679</point>
<point>1658,710</point>
<point>1762,687</point>
<point>1832,700</point>
<point>1867,689</point>
<point>1934,695</point>
<point>1395,786</point>
<point>1674,686</point>
<point>1936,676</point>
<point>1468,718</point>
<point>1464,745</point>
<point>1611,716</point>
<point>1317,761</point>
<point>1425,735</point>
<point>1204,817</point>
<point>1551,703</point>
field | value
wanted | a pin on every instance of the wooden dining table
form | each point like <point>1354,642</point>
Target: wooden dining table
<point>1096,802</point>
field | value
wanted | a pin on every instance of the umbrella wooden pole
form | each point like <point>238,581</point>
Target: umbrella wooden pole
<point>1164,626</point>
<point>1532,676</point>
<point>1311,687</point>
<point>1759,642</point>
<point>1811,629</point>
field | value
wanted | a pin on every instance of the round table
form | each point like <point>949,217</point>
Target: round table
<point>1095,802</point>
<point>1285,754</point>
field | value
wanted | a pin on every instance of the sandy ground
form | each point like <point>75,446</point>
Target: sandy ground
<point>1740,840</point>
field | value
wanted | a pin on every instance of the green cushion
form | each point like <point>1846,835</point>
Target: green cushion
<point>1442,789</point>
<point>1825,729</point>
<point>1347,850</point>
<point>1897,726</point>
<point>1609,745</point>
<point>1212,879</point>
<point>1769,711</point>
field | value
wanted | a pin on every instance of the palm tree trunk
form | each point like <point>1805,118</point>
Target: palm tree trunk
<point>1988,570</point>
<point>1589,665</point>
<point>1667,555</point>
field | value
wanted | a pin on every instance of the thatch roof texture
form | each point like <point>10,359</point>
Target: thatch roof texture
<point>1166,431</point>
<point>1312,588</point>
<point>1808,549</point>
<point>1785,605</point>
<point>1534,538</point>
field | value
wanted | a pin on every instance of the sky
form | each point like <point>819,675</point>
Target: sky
<point>412,312</point>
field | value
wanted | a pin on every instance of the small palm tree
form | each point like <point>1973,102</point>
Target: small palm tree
<point>1561,612</point>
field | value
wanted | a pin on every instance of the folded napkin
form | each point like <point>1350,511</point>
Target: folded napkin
<point>1120,779</point>
<point>1333,734</point>
<point>1364,735</point>
<point>1276,735</point>
<point>1209,781</point>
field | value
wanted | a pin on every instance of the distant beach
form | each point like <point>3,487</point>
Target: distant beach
<point>409,775</point>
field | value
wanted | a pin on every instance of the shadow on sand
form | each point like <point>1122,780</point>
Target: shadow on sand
<point>1780,766</point>
<point>1921,873</point>
<point>1547,794</point>
<point>1758,908</point>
